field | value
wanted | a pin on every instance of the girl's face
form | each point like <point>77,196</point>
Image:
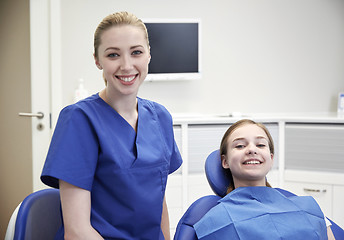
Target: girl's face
<point>248,156</point>
<point>124,57</point>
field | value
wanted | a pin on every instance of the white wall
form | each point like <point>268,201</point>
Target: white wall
<point>258,55</point>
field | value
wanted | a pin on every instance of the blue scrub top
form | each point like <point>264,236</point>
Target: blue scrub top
<point>94,148</point>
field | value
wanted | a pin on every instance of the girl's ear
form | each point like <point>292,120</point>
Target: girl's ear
<point>224,161</point>
<point>272,160</point>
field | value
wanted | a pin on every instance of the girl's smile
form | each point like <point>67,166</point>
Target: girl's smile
<point>248,156</point>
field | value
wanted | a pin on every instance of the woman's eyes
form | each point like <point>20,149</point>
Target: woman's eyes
<point>136,52</point>
<point>113,55</point>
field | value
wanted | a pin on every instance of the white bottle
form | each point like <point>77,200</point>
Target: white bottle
<point>80,92</point>
<point>341,104</point>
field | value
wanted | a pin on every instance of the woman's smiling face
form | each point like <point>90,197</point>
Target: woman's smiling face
<point>124,57</point>
<point>248,156</point>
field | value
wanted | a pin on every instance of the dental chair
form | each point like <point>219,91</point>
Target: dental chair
<point>38,217</point>
<point>218,182</point>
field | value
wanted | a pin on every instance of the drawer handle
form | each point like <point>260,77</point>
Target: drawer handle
<point>314,190</point>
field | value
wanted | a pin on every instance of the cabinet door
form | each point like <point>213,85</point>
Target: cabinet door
<point>322,193</point>
<point>202,140</point>
<point>314,147</point>
<point>338,206</point>
<point>174,199</point>
<point>178,136</point>
<point>197,187</point>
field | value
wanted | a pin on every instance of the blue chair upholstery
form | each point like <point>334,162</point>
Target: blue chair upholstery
<point>38,217</point>
<point>194,213</point>
<point>216,175</point>
<point>218,182</point>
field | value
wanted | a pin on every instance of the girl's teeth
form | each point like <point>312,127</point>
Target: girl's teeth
<point>252,162</point>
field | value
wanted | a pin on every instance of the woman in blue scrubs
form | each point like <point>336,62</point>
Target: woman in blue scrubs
<point>111,153</point>
<point>252,209</point>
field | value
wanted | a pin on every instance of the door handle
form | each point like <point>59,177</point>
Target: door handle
<point>314,190</point>
<point>38,115</point>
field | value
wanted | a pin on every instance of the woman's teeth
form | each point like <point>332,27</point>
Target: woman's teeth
<point>127,79</point>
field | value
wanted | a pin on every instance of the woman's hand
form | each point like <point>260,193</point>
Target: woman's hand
<point>76,212</point>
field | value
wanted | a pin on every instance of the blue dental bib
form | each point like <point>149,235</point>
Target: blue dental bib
<point>263,213</point>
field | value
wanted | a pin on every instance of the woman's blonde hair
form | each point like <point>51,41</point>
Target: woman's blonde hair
<point>224,144</point>
<point>117,19</point>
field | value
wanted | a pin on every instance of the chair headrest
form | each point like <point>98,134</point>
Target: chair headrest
<point>216,174</point>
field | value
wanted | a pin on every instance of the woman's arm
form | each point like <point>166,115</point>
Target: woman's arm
<point>76,212</point>
<point>165,222</point>
<point>330,233</point>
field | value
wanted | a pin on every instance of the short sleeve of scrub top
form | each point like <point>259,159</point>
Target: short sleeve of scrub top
<point>73,151</point>
<point>94,148</point>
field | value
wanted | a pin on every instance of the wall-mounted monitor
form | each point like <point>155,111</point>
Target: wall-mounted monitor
<point>175,49</point>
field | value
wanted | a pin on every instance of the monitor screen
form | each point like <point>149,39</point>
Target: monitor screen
<point>175,50</point>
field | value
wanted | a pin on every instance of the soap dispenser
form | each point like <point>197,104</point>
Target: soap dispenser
<point>80,92</point>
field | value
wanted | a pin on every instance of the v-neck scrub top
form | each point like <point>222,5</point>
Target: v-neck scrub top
<point>94,148</point>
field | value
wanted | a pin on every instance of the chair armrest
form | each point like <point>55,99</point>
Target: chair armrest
<point>195,212</point>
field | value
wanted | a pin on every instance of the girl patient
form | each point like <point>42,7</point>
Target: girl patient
<point>252,209</point>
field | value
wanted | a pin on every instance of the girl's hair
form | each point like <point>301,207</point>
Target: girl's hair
<point>117,19</point>
<point>224,144</point>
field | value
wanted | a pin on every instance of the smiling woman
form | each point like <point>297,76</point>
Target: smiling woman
<point>114,147</point>
<point>123,55</point>
<point>252,209</point>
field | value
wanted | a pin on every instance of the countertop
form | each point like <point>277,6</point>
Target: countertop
<point>195,118</point>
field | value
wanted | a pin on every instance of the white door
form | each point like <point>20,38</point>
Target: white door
<point>44,30</point>
<point>27,71</point>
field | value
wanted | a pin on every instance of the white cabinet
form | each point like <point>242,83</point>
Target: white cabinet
<point>314,147</point>
<point>328,196</point>
<point>202,140</point>
<point>322,193</point>
<point>314,164</point>
<point>338,206</point>
<point>174,200</point>
<point>326,187</point>
<point>198,187</point>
